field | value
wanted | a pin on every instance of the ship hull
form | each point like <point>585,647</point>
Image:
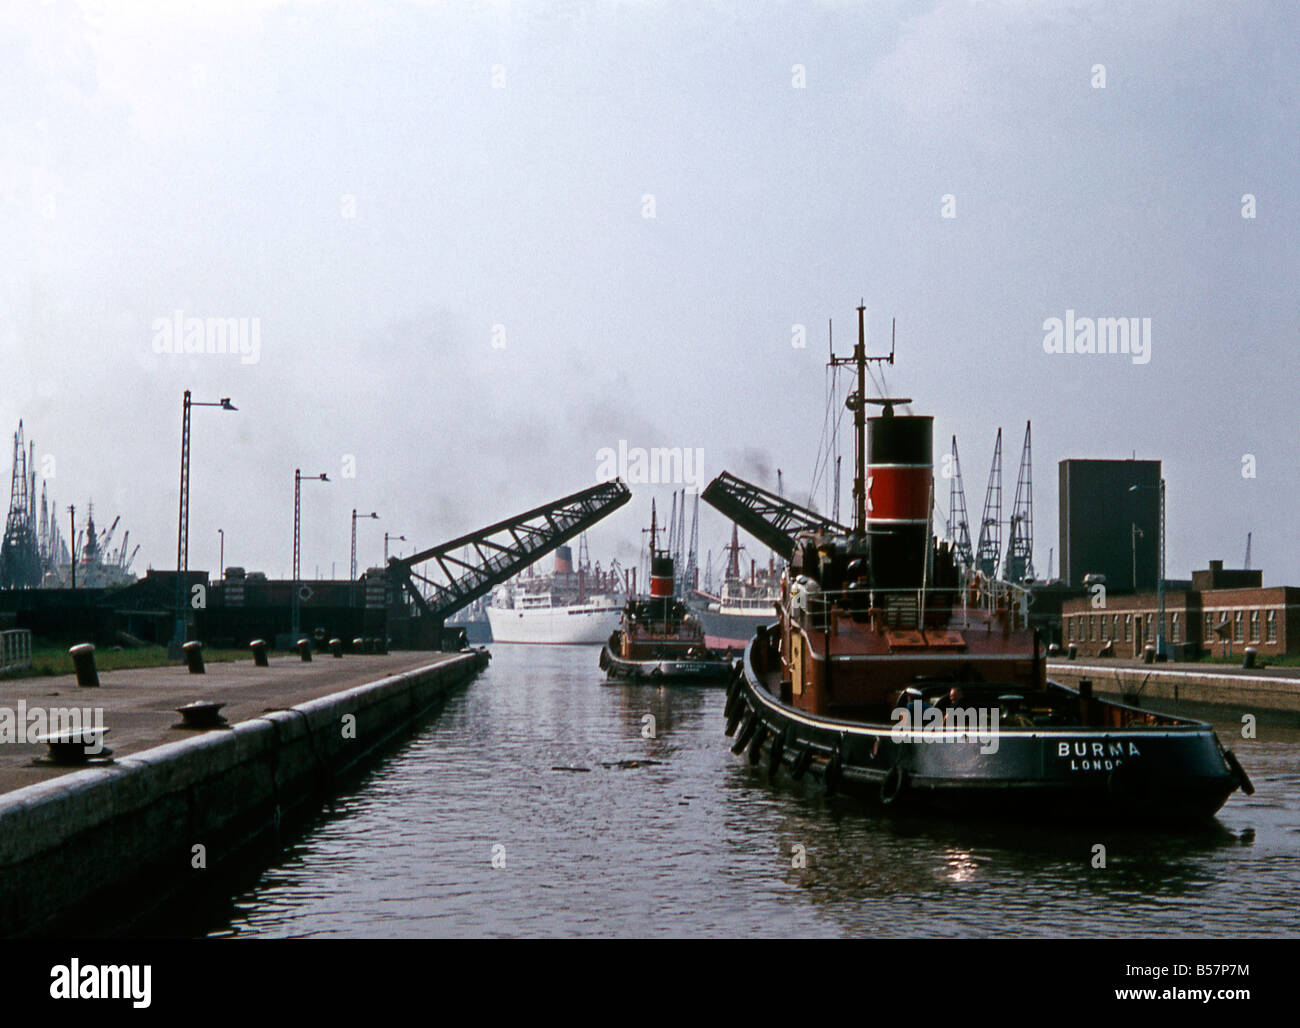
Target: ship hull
<point>555,626</point>
<point>1168,775</point>
<point>724,631</point>
<point>667,669</point>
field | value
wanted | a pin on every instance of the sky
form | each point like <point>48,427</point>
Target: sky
<point>476,244</point>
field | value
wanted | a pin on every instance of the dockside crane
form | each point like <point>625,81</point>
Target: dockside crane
<point>1019,564</point>
<point>989,554</point>
<point>959,520</point>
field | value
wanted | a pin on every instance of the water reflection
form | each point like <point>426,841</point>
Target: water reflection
<point>655,828</point>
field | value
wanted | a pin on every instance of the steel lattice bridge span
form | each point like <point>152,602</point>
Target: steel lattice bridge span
<point>771,519</point>
<point>448,581</point>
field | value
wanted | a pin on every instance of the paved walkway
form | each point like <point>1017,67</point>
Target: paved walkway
<point>139,705</point>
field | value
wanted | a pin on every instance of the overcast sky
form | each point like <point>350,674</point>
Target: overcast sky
<point>438,215</point>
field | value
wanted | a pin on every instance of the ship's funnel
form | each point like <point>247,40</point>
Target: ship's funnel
<point>563,560</point>
<point>900,478</point>
<point>661,576</point>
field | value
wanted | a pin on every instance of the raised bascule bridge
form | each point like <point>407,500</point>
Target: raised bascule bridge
<point>771,519</point>
<point>448,577</point>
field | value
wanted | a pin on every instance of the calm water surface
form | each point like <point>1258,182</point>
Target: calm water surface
<point>697,844</point>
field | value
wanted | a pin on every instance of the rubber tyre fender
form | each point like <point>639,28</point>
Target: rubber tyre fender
<point>894,786</point>
<point>802,763</point>
<point>1243,779</point>
<point>774,756</point>
<point>746,732</point>
<point>834,770</point>
<point>756,745</point>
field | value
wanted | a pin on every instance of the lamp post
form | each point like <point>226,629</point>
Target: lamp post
<point>221,560</point>
<point>1134,535</point>
<point>395,538</point>
<point>1160,572</point>
<point>298,479</point>
<point>183,519</point>
<point>352,580</point>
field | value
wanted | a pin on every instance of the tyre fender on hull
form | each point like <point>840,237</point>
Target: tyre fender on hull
<point>733,719</point>
<point>894,786</point>
<point>746,732</point>
<point>774,756</point>
<point>756,746</point>
<point>1238,772</point>
<point>834,771</point>
<point>801,762</point>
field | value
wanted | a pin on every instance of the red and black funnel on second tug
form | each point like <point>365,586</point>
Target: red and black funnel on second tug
<point>900,484</point>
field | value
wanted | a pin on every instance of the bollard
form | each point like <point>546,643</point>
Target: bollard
<point>1054,649</point>
<point>358,645</point>
<point>336,647</point>
<point>193,657</point>
<point>368,645</point>
<point>83,659</point>
<point>1149,653</point>
<point>1251,656</point>
<point>1073,652</point>
<point>304,648</point>
<point>381,644</point>
<point>258,646</point>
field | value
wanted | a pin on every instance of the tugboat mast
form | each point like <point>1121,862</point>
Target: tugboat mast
<point>857,402</point>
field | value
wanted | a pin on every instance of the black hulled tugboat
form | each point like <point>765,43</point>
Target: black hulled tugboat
<point>896,673</point>
<point>658,638</point>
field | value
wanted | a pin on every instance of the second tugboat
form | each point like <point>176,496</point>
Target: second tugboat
<point>658,638</point>
<point>895,672</point>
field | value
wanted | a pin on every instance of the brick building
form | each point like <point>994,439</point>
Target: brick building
<point>1223,612</point>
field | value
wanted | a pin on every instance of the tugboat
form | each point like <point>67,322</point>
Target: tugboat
<point>658,638</point>
<point>893,672</point>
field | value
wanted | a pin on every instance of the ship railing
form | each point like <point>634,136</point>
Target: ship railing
<point>910,608</point>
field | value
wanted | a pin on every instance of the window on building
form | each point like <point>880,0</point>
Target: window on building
<point>1238,626</point>
<point>1128,627</point>
<point>1254,626</point>
<point>1114,626</point>
<point>1208,636</point>
<point>1271,626</point>
<point>1175,628</point>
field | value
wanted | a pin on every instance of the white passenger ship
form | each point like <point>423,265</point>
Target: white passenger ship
<point>563,608</point>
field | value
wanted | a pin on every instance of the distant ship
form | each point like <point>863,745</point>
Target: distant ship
<point>567,607</point>
<point>740,606</point>
<point>658,639</point>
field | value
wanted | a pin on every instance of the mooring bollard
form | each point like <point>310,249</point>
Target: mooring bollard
<point>1073,652</point>
<point>381,644</point>
<point>358,645</point>
<point>304,650</point>
<point>1149,653</point>
<point>258,646</point>
<point>83,659</point>
<point>193,651</point>
<point>1251,656</point>
<point>336,647</point>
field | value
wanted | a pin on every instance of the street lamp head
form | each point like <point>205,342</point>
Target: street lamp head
<point>324,477</point>
<point>226,404</point>
<point>372,514</point>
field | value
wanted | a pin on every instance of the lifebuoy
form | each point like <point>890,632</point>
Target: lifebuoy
<point>893,786</point>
